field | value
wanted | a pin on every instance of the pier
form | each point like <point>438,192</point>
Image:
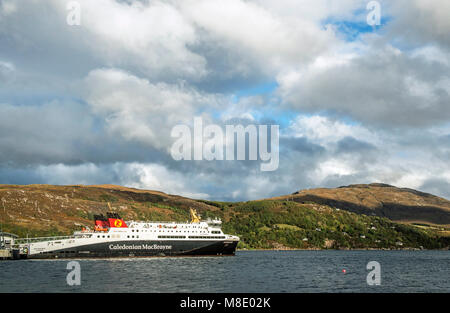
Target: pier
<point>8,248</point>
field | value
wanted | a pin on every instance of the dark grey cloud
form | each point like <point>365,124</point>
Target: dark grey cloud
<point>420,22</point>
<point>437,186</point>
<point>229,70</point>
<point>301,145</point>
<point>351,145</point>
<point>66,133</point>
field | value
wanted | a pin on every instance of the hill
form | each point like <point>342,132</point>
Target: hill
<point>41,210</point>
<point>47,209</point>
<point>397,204</point>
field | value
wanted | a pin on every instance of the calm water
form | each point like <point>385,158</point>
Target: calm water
<point>248,271</point>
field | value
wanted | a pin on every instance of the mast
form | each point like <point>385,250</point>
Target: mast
<point>2,239</point>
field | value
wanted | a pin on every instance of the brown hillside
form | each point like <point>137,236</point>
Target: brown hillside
<point>34,209</point>
<point>398,204</point>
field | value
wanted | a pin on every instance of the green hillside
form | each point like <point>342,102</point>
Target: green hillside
<point>285,224</point>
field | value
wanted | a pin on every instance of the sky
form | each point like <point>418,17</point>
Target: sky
<point>95,103</point>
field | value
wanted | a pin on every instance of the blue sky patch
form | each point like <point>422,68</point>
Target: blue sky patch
<point>262,89</point>
<point>350,30</point>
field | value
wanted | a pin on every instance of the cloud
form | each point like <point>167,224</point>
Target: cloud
<point>385,87</point>
<point>437,186</point>
<point>96,103</point>
<point>157,177</point>
<point>137,110</point>
<point>42,134</point>
<point>426,22</point>
<point>150,38</point>
<point>7,7</point>
<point>254,30</point>
<point>153,36</point>
<point>63,132</point>
<point>325,130</point>
<point>161,40</point>
<point>6,72</point>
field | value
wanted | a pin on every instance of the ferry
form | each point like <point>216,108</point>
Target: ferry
<point>114,237</point>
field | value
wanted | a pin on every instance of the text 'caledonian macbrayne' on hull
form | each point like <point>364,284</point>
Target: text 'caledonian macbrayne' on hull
<point>113,237</point>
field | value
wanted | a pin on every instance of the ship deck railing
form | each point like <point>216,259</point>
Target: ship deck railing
<point>19,241</point>
<point>158,222</point>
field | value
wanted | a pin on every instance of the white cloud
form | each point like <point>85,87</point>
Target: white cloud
<point>157,177</point>
<point>154,36</point>
<point>317,12</point>
<point>252,30</point>
<point>332,167</point>
<point>138,110</point>
<point>325,131</point>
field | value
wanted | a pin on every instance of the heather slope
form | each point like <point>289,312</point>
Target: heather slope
<point>397,204</point>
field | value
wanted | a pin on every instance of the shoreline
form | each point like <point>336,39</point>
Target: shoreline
<point>347,249</point>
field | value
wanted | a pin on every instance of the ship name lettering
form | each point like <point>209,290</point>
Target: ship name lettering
<point>140,247</point>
